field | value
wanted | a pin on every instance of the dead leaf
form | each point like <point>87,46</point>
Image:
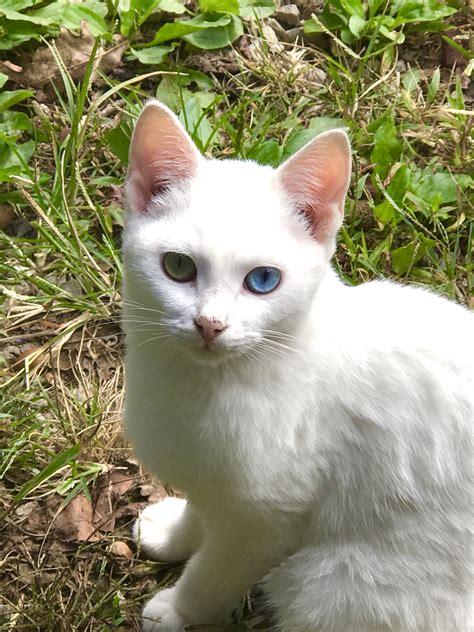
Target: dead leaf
<point>130,511</point>
<point>82,520</point>
<point>7,215</point>
<point>109,488</point>
<point>75,522</point>
<point>75,50</point>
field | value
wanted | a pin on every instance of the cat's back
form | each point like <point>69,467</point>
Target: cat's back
<point>390,317</point>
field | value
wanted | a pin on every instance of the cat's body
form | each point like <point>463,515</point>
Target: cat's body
<point>322,438</point>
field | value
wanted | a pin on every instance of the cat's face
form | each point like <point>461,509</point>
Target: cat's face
<point>225,256</point>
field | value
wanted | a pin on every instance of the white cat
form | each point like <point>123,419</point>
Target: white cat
<point>320,433</point>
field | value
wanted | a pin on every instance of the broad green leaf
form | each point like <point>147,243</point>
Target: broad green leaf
<point>256,8</point>
<point>411,79</point>
<point>14,154</point>
<point>316,126</point>
<point>387,146</point>
<point>11,121</point>
<point>196,122</point>
<point>3,79</point>
<point>17,5</point>
<point>397,37</point>
<point>173,30</point>
<point>11,97</point>
<point>133,13</point>
<point>127,16</point>
<point>353,7</point>
<point>62,460</point>
<point>434,86</point>
<point>356,25</point>
<point>397,190</point>
<point>210,39</point>
<point>173,93</point>
<point>400,184</point>
<point>311,26</point>
<point>186,76</point>
<point>431,185</point>
<point>7,173</point>
<point>61,9</point>
<point>420,11</point>
<point>219,6</point>
<point>405,257</point>
<point>180,28</point>
<point>71,15</point>
<point>20,32</point>
<point>374,5</point>
<point>384,212</point>
<point>24,17</point>
<point>172,6</point>
<point>152,55</point>
<point>268,153</point>
<point>119,142</point>
<point>347,37</point>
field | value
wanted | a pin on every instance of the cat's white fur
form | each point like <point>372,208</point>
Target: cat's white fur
<point>331,461</point>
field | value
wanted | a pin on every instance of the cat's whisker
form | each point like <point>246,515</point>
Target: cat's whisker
<point>268,345</point>
<point>279,334</point>
<point>136,305</point>
<point>282,346</point>
<point>261,351</point>
<point>131,321</point>
<point>155,338</point>
<point>258,358</point>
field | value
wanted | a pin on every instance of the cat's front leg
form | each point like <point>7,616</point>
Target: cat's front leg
<point>168,531</point>
<point>213,582</point>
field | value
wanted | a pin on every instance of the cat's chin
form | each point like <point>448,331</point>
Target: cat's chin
<point>210,355</point>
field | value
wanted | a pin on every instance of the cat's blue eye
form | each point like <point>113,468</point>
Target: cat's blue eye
<point>179,267</point>
<point>262,280</point>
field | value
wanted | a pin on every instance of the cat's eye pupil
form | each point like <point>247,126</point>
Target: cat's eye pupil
<point>179,267</point>
<point>262,280</point>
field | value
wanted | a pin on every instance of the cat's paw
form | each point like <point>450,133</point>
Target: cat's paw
<point>160,615</point>
<point>160,533</point>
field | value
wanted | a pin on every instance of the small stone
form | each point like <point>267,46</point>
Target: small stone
<point>288,14</point>
<point>147,490</point>
<point>11,352</point>
<point>24,510</point>
<point>121,549</point>
<point>292,35</point>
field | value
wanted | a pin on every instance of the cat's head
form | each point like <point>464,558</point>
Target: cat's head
<point>226,257</point>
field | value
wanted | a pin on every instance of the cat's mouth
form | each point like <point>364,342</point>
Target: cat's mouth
<point>211,353</point>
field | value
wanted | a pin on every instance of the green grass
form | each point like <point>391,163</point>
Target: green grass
<point>408,217</point>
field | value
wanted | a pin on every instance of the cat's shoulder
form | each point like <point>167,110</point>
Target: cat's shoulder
<point>385,313</point>
<point>407,301</point>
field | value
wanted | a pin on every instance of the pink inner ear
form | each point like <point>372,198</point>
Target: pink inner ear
<point>316,180</point>
<point>161,154</point>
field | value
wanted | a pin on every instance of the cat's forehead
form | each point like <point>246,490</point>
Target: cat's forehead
<point>232,209</point>
<point>237,202</point>
<point>234,190</point>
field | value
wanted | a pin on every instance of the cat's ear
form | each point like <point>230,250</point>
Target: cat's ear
<point>161,155</point>
<point>315,180</point>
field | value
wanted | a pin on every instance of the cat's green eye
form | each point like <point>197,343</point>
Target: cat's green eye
<point>179,267</point>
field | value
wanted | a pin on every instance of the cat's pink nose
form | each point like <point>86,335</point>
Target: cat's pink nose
<point>209,328</point>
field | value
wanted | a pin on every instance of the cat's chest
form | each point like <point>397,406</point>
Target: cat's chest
<point>195,434</point>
